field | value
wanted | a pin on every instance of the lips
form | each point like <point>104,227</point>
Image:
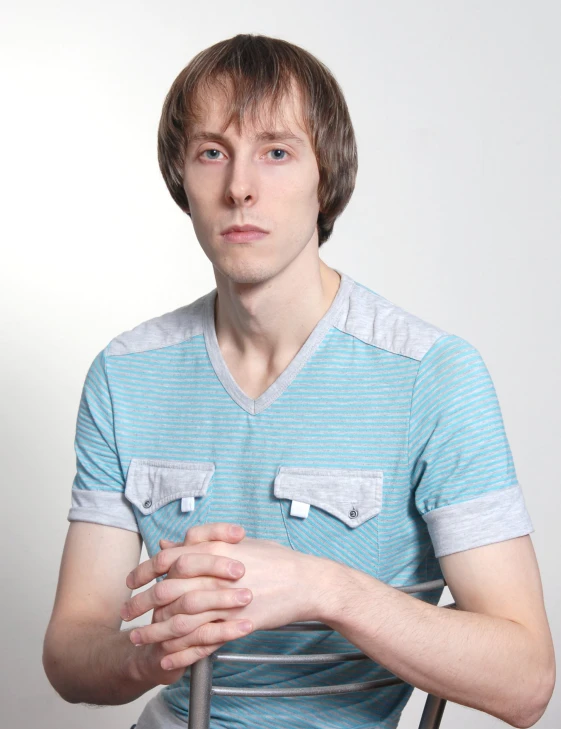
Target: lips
<point>243,233</point>
<point>242,229</point>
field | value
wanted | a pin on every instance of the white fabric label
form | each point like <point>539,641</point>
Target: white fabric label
<point>299,509</point>
<point>188,503</point>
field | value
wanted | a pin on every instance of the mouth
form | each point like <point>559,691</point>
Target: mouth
<point>243,233</point>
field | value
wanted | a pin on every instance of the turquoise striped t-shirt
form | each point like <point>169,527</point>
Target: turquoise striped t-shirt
<point>380,446</point>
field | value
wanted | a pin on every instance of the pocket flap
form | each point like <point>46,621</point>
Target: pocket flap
<point>353,495</point>
<point>154,483</point>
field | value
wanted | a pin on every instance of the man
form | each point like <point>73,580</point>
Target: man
<point>290,446</point>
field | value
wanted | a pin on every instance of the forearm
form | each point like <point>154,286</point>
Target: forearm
<point>487,663</point>
<point>94,664</point>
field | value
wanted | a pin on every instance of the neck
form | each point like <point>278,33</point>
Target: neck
<point>270,321</point>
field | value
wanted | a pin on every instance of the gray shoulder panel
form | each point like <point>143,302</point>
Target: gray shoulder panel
<point>375,320</point>
<point>162,331</point>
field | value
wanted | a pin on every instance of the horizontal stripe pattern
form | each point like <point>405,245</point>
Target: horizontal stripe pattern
<point>432,427</point>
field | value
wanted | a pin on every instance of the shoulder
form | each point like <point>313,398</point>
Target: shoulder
<point>377,321</point>
<point>166,330</point>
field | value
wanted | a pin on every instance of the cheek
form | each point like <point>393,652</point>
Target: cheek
<point>295,193</point>
<point>201,189</point>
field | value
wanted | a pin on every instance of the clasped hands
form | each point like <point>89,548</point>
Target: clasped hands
<point>220,586</point>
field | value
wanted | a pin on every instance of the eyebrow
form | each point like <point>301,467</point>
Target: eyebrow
<point>269,136</point>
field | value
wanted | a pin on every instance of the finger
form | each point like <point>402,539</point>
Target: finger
<point>178,626</point>
<point>186,565</point>
<point>199,601</point>
<point>162,593</point>
<point>209,565</point>
<point>205,635</point>
<point>217,531</point>
<point>167,543</point>
<point>195,583</point>
<point>189,656</point>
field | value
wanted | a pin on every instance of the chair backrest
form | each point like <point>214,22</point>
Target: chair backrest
<point>202,688</point>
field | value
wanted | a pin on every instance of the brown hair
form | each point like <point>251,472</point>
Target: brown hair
<point>253,69</point>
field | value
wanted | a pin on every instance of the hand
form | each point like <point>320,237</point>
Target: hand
<point>204,593</point>
<point>283,595</point>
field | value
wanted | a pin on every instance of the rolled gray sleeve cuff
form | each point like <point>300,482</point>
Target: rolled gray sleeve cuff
<point>495,517</point>
<point>102,507</point>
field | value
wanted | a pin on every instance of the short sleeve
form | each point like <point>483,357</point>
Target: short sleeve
<point>98,488</point>
<point>460,462</point>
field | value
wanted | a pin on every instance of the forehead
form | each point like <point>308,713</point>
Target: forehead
<point>217,110</point>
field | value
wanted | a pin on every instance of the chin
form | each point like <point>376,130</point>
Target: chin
<point>246,272</point>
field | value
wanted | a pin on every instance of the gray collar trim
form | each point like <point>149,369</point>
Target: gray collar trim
<point>254,407</point>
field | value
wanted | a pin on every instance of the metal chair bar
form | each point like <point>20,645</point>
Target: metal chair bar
<point>200,694</point>
<point>289,658</point>
<point>202,689</point>
<point>422,586</point>
<point>432,713</point>
<point>344,688</point>
<point>300,627</point>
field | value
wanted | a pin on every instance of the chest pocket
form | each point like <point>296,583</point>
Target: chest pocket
<point>331,512</point>
<point>168,491</point>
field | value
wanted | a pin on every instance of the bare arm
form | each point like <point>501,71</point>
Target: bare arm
<point>87,658</point>
<point>494,654</point>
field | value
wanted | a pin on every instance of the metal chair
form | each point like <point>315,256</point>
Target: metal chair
<point>202,688</point>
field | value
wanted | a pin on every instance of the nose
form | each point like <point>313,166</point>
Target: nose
<point>241,187</point>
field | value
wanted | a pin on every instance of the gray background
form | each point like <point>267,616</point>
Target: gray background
<point>455,217</point>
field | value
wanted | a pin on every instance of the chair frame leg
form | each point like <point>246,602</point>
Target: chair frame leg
<point>432,713</point>
<point>201,693</point>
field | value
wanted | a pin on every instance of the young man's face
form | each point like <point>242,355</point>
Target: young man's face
<point>241,179</point>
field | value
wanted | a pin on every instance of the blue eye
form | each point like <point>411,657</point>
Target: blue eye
<point>279,150</point>
<point>211,150</point>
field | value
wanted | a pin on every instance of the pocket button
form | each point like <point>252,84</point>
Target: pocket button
<point>353,513</point>
<point>147,504</point>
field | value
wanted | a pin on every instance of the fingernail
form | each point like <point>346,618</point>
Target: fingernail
<point>125,613</point>
<point>135,637</point>
<point>244,626</point>
<point>236,569</point>
<point>166,664</point>
<point>236,531</point>
<point>243,596</point>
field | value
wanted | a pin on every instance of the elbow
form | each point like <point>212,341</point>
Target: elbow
<point>52,665</point>
<point>538,694</point>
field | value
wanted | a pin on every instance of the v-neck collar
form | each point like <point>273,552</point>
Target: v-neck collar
<point>253,407</point>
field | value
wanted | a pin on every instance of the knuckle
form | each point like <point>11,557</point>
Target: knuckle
<point>180,624</point>
<point>192,535</point>
<point>189,603</point>
<point>162,591</point>
<point>218,530</point>
<point>161,561</point>
<point>189,537</point>
<point>202,651</point>
<point>206,634</point>
<point>183,564</point>
<point>134,603</point>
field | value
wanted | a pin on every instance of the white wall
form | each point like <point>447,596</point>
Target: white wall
<point>455,218</point>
